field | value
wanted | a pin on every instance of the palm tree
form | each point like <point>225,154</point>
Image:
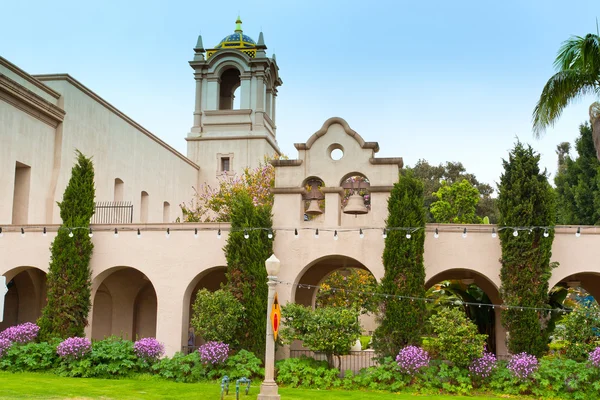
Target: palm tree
<point>578,66</point>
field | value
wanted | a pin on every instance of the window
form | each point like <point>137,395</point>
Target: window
<point>144,207</point>
<point>118,189</point>
<point>225,164</point>
<point>166,212</point>
<point>20,211</point>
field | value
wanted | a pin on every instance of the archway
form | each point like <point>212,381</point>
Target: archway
<point>211,279</point>
<point>26,296</point>
<point>125,304</point>
<point>464,285</point>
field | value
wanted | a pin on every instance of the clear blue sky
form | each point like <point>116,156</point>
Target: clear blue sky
<point>438,80</point>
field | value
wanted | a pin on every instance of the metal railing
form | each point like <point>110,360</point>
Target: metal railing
<point>113,212</point>
<point>355,361</point>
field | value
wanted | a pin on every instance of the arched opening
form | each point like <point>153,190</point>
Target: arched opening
<point>119,188</point>
<point>230,81</point>
<point>357,198</point>
<point>314,199</point>
<point>26,296</point>
<point>211,279</point>
<point>166,212</point>
<point>144,200</point>
<point>125,305</point>
<point>455,287</point>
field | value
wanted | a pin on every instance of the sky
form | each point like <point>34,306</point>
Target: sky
<point>434,80</point>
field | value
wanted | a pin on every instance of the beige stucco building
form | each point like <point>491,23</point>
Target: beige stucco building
<point>143,284</point>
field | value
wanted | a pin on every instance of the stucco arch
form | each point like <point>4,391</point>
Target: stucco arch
<point>127,298</point>
<point>588,280</point>
<point>349,131</point>
<point>26,296</point>
<point>351,174</point>
<point>226,59</point>
<point>211,279</point>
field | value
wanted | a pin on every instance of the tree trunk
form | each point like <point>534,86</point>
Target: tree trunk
<point>595,120</point>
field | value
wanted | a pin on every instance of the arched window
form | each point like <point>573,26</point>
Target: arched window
<point>119,187</point>
<point>144,207</point>
<point>166,212</point>
<point>230,81</point>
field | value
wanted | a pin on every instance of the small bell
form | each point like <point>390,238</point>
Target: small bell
<point>313,208</point>
<point>355,205</point>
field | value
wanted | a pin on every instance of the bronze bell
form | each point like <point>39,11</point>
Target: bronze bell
<point>355,205</point>
<point>313,208</point>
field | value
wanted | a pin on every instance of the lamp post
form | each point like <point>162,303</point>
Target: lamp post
<point>268,389</point>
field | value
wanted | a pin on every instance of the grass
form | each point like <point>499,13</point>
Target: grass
<point>49,386</point>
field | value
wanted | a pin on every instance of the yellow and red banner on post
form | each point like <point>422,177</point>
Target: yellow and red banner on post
<point>275,317</point>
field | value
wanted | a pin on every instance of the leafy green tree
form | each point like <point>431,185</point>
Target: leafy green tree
<point>525,199</point>
<point>578,74</point>
<point>456,203</point>
<point>577,182</point>
<point>432,177</point>
<point>356,291</point>
<point>455,338</point>
<point>330,330</point>
<point>246,273</point>
<point>402,321</point>
<point>68,280</point>
<point>580,332</point>
<point>217,316</point>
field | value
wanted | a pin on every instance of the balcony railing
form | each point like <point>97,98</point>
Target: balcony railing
<point>113,212</point>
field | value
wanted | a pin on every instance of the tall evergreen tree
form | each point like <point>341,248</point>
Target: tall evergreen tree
<point>577,182</point>
<point>68,279</point>
<point>402,321</point>
<point>246,273</point>
<point>525,199</point>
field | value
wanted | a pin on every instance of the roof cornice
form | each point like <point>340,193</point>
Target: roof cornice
<point>30,78</point>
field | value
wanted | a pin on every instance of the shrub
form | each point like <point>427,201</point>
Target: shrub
<point>4,346</point>
<point>306,372</point>
<point>457,339</point>
<point>214,352</point>
<point>74,348</point>
<point>217,315</point>
<point>242,364</point>
<point>522,365</point>
<point>412,358</point>
<point>482,368</point>
<point>594,357</point>
<point>112,357</point>
<point>580,327</point>
<point>30,357</point>
<point>181,368</point>
<point>148,349</point>
<point>22,333</point>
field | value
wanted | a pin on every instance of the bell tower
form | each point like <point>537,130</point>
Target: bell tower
<point>224,138</point>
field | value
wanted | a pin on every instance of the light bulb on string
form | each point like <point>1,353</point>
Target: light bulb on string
<point>295,233</point>
<point>360,233</point>
<point>408,235</point>
<point>117,233</point>
<point>70,233</point>
<point>578,233</point>
<point>317,233</point>
<point>168,234</point>
<point>494,233</point>
<point>464,234</point>
<point>436,234</point>
<point>139,234</point>
<point>546,234</point>
<point>270,234</point>
<point>384,234</point>
<point>515,233</point>
<point>195,233</point>
<point>91,233</point>
<point>219,234</point>
<point>1,234</point>
<point>22,232</point>
<point>335,235</point>
<point>246,236</point>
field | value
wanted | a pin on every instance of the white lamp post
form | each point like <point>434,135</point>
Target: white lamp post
<point>268,389</point>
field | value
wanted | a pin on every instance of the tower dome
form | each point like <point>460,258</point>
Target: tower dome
<point>237,40</point>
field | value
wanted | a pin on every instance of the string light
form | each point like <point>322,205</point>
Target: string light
<point>1,234</point>
<point>384,234</point>
<point>195,233</point>
<point>117,233</point>
<point>22,232</point>
<point>218,233</point>
<point>436,234</point>
<point>139,234</point>
<point>70,233</point>
<point>246,236</point>
<point>168,234</point>
<point>91,233</point>
<point>578,233</point>
<point>546,234</point>
<point>44,233</point>
<point>464,234</point>
<point>269,235</point>
<point>494,233</point>
<point>408,235</point>
<point>515,233</point>
<point>295,233</point>
<point>361,234</point>
<point>335,235</point>
<point>317,233</point>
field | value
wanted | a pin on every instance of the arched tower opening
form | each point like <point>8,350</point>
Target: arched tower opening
<point>230,82</point>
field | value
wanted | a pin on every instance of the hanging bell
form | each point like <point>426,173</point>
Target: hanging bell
<point>355,205</point>
<point>313,208</point>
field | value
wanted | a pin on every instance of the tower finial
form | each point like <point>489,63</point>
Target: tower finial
<point>238,24</point>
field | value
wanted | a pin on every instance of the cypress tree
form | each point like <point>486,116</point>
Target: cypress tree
<point>402,320</point>
<point>246,273</point>
<point>68,280</point>
<point>525,199</point>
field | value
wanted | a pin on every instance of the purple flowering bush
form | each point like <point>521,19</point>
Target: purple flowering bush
<point>23,333</point>
<point>4,345</point>
<point>522,365</point>
<point>594,357</point>
<point>214,352</point>
<point>148,349</point>
<point>484,366</point>
<point>412,358</point>
<point>74,348</point>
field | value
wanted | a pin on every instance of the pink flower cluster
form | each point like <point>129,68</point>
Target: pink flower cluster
<point>522,365</point>
<point>484,366</point>
<point>4,345</point>
<point>148,348</point>
<point>214,352</point>
<point>594,357</point>
<point>412,358</point>
<point>74,347</point>
<point>23,333</point>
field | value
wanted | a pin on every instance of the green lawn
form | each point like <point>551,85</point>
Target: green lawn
<point>48,386</point>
